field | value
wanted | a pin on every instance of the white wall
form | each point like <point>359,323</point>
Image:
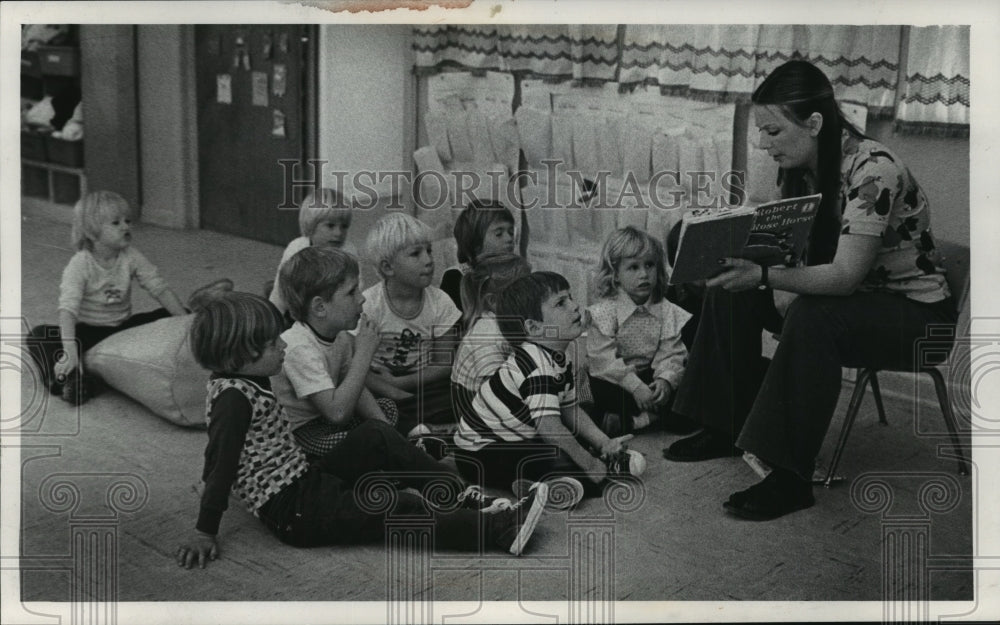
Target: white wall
<point>366,97</point>
<point>168,125</point>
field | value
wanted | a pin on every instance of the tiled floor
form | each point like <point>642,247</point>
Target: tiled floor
<point>667,541</point>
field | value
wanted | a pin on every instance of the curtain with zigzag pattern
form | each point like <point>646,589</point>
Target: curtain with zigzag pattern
<point>579,51</point>
<point>935,98</point>
<point>725,63</point>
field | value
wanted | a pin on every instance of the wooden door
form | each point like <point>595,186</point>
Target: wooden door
<point>256,108</point>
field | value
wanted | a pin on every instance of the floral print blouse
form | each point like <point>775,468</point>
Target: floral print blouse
<point>880,197</point>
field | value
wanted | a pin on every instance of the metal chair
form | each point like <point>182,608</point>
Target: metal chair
<point>956,262</point>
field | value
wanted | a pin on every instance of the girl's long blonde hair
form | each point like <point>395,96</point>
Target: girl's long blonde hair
<point>629,242</point>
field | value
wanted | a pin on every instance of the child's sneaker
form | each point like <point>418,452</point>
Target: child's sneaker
<point>418,430</point>
<point>433,446</point>
<point>564,492</point>
<point>628,462</point>
<point>473,498</point>
<point>514,527</point>
<point>643,420</point>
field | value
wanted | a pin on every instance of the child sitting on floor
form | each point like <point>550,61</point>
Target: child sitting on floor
<point>634,348</point>
<point>483,348</point>
<point>324,219</point>
<point>524,422</point>
<point>481,229</point>
<point>417,324</point>
<point>251,450</point>
<point>95,295</point>
<point>321,384</point>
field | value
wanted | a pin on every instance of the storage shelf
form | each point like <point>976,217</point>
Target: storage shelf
<point>66,169</point>
<point>62,185</point>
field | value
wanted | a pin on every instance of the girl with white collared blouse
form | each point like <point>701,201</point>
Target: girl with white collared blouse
<point>634,349</point>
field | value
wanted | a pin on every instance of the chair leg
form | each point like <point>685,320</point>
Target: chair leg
<point>877,394</point>
<point>949,416</point>
<point>864,375</point>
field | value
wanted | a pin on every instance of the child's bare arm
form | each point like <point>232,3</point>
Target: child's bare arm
<point>67,331</point>
<point>381,386</point>
<point>577,422</point>
<point>408,383</point>
<point>169,300</point>
<point>553,431</point>
<point>338,405</point>
<point>368,408</point>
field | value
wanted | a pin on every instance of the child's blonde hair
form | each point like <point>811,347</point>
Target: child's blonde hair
<point>232,330</point>
<point>392,233</point>
<point>480,286</point>
<point>314,272</point>
<point>472,225</point>
<point>629,242</point>
<point>320,205</point>
<point>91,212</point>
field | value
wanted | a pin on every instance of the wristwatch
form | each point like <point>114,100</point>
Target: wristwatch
<point>763,284</point>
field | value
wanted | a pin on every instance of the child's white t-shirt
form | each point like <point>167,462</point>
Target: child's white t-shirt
<point>311,365</point>
<point>482,350</point>
<point>405,343</point>
<point>297,245</point>
<point>103,296</point>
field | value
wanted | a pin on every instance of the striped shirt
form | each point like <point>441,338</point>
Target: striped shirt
<point>533,382</point>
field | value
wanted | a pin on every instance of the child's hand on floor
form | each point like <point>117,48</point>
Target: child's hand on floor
<point>199,549</point>
<point>366,339</point>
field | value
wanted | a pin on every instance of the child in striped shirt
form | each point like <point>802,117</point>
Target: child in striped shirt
<point>524,422</point>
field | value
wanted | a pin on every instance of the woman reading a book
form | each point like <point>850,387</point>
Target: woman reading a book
<point>869,288</point>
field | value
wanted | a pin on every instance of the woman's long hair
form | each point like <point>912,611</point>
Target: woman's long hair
<point>800,89</point>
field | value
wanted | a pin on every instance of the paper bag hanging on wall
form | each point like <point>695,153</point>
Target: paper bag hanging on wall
<point>534,131</point>
<point>690,161</point>
<point>432,192</point>
<point>437,134</point>
<point>609,145</point>
<point>585,148</point>
<point>458,137</point>
<point>505,141</point>
<point>479,136</point>
<point>665,152</point>
<point>636,145</point>
<point>562,140</point>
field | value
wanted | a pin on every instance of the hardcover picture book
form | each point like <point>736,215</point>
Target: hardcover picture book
<point>770,234</point>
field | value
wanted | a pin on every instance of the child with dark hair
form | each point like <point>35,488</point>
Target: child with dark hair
<point>251,450</point>
<point>483,228</point>
<point>524,422</point>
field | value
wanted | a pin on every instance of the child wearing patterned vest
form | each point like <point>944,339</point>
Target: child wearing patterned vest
<point>252,452</point>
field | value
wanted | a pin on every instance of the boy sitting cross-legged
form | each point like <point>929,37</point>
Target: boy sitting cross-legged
<point>416,323</point>
<point>524,422</point>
